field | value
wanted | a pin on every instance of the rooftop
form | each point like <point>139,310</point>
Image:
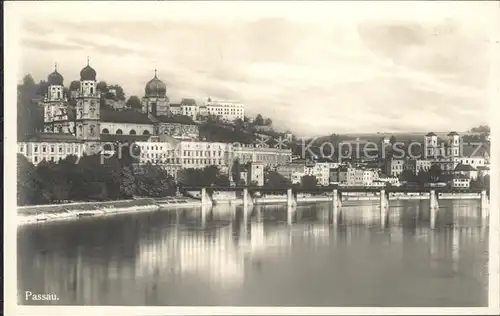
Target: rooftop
<point>124,116</point>
<point>179,119</point>
<point>124,138</point>
<point>464,167</point>
<point>54,138</point>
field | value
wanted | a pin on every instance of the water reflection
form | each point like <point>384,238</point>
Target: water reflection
<point>253,256</point>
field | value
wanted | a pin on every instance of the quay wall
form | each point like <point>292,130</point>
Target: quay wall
<point>56,212</point>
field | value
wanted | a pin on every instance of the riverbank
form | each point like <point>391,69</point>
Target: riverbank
<point>70,211</point>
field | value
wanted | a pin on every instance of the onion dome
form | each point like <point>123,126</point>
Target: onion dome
<point>87,73</point>
<point>155,88</point>
<point>55,78</point>
<point>453,134</point>
<point>431,134</point>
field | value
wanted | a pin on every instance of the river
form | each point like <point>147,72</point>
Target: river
<point>173,258</point>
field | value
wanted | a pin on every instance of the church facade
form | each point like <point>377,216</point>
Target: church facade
<point>78,112</point>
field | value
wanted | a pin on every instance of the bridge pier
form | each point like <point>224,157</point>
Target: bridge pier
<point>290,199</point>
<point>384,202</point>
<point>485,209</point>
<point>205,197</point>
<point>434,207</point>
<point>247,198</point>
<point>336,205</point>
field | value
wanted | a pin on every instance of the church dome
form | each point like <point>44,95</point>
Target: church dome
<point>87,73</point>
<point>155,88</point>
<point>55,79</point>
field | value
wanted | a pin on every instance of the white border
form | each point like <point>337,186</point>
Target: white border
<point>12,12</point>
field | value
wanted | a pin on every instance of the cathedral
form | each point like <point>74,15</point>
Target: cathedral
<point>78,112</point>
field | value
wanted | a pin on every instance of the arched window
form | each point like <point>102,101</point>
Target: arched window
<point>146,132</point>
<point>119,131</point>
<point>105,131</point>
<point>58,94</point>
<point>132,132</point>
<point>91,90</point>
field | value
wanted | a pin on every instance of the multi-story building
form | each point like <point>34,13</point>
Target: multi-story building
<point>175,155</point>
<point>271,157</point>
<point>255,173</point>
<point>460,181</point>
<point>394,167</point>
<point>466,170</point>
<point>227,110</point>
<point>50,147</point>
<point>189,108</point>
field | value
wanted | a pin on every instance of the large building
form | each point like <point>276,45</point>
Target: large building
<point>227,110</point>
<point>271,157</point>
<point>81,114</point>
<point>50,148</point>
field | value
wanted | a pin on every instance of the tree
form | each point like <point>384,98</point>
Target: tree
<point>273,179</point>
<point>435,173</point>
<point>236,170</point>
<point>120,94</point>
<point>26,183</point>
<point>28,80</point>
<point>102,86</point>
<point>308,182</point>
<point>74,85</point>
<point>134,102</point>
<point>392,140</point>
<point>259,120</point>
<point>238,124</point>
<point>408,176</point>
<point>268,122</point>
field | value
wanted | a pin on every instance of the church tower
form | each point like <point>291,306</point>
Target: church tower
<point>155,101</point>
<point>55,107</point>
<point>88,110</point>
<point>453,145</point>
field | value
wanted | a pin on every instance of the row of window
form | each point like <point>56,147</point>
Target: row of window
<point>120,132</point>
<point>60,149</point>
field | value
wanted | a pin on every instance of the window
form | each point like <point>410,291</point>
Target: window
<point>21,149</point>
<point>52,149</point>
<point>35,149</point>
<point>146,132</point>
<point>105,131</point>
<point>91,90</point>
<point>35,159</point>
<point>119,131</point>
<point>44,149</point>
<point>60,149</point>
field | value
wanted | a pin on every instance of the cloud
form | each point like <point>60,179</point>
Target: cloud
<point>350,68</point>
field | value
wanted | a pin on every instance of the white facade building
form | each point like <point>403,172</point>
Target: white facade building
<point>227,110</point>
<point>269,156</point>
<point>50,147</point>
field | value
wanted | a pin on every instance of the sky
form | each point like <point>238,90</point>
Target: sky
<point>315,68</point>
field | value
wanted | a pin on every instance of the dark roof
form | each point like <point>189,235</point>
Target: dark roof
<point>179,119</point>
<point>463,167</point>
<point>175,105</point>
<point>460,176</point>
<point>188,102</point>
<point>124,116</point>
<point>55,79</point>
<point>124,138</point>
<point>453,133</point>
<point>431,134</point>
<point>155,88</point>
<point>54,138</point>
<point>475,150</point>
<point>87,73</point>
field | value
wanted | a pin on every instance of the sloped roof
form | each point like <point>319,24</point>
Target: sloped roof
<point>124,116</point>
<point>431,134</point>
<point>179,119</point>
<point>123,138</point>
<point>464,167</point>
<point>453,133</point>
<point>188,102</point>
<point>460,176</point>
<point>54,138</point>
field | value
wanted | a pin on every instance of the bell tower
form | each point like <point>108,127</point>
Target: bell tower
<point>88,110</point>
